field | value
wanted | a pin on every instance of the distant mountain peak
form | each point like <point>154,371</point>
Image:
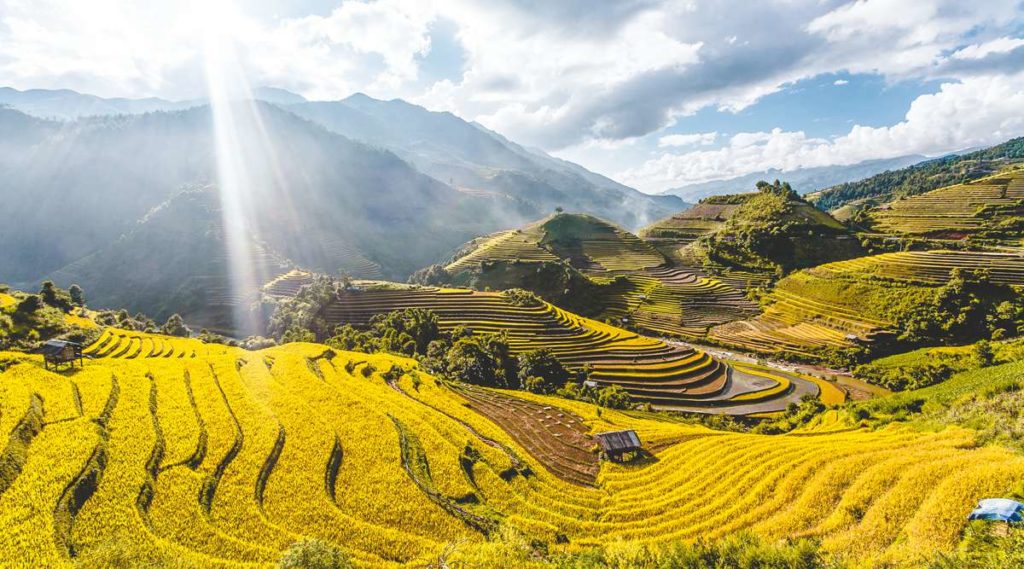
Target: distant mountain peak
<point>277,96</point>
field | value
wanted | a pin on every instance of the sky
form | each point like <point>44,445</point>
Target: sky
<point>653,93</point>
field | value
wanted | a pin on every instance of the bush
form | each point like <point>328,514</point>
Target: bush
<point>614,397</point>
<point>521,297</point>
<point>904,378</point>
<point>314,554</point>
<point>298,334</point>
<point>257,343</point>
<point>175,326</point>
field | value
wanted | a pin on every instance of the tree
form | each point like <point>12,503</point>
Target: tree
<point>431,276</point>
<point>468,361</point>
<point>959,303</point>
<point>30,304</point>
<point>398,328</point>
<point>482,360</point>
<point>614,397</point>
<point>77,295</point>
<point>55,297</point>
<point>175,326</point>
<point>314,554</point>
<point>298,334</point>
<point>541,372</point>
<point>983,354</point>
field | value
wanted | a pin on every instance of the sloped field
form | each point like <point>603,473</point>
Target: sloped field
<point>840,303</point>
<point>587,242</point>
<point>649,369</point>
<point>224,459</point>
<point>932,267</point>
<point>677,302</point>
<point>984,208</point>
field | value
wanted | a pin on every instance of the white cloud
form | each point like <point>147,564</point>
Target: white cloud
<point>700,138</point>
<point>587,78</point>
<point>979,111</point>
<point>840,82</point>
<point>981,51</point>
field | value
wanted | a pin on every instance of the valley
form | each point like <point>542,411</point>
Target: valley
<point>409,341</point>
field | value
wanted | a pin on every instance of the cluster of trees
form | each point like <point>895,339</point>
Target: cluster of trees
<point>968,308</point>
<point>31,319</point>
<point>40,316</point>
<point>434,275</point>
<point>480,359</point>
<point>915,370</point>
<point>300,318</point>
<point>174,326</point>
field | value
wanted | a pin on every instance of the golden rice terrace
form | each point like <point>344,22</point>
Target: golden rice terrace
<point>208,456</point>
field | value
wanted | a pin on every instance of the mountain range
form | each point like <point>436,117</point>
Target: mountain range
<point>96,188</point>
<point>803,180</point>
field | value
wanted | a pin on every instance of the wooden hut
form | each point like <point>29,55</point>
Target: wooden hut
<point>615,444</point>
<point>61,352</point>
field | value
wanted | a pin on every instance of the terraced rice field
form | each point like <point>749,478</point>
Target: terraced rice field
<point>932,267</point>
<point>955,211</point>
<point>686,226</point>
<point>122,344</point>
<point>224,459</point>
<point>512,245</point>
<point>288,284</point>
<point>339,254</point>
<point>838,304</point>
<point>677,302</point>
<point>800,324</point>
<point>649,369</point>
<point>587,242</point>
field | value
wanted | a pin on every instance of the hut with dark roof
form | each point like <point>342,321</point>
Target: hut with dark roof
<point>615,444</point>
<point>60,352</point>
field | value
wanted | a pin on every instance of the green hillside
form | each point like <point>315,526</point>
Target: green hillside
<point>589,266</point>
<point>986,211</point>
<point>920,178</point>
<point>868,305</point>
<point>773,231</point>
<point>586,242</point>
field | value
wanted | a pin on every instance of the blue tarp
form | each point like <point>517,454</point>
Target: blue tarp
<point>998,510</point>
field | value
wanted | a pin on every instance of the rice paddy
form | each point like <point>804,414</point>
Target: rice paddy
<point>223,457</point>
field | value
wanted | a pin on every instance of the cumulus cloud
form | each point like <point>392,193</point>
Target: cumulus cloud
<point>840,82</point>
<point>976,112</point>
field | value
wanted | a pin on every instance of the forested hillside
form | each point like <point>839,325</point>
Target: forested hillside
<point>923,177</point>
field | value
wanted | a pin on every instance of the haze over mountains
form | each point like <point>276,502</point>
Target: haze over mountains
<point>376,189</point>
<point>803,180</point>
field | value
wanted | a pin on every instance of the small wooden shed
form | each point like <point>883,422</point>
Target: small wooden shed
<point>615,444</point>
<point>61,352</point>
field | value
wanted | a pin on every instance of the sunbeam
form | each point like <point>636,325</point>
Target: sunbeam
<point>244,158</point>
